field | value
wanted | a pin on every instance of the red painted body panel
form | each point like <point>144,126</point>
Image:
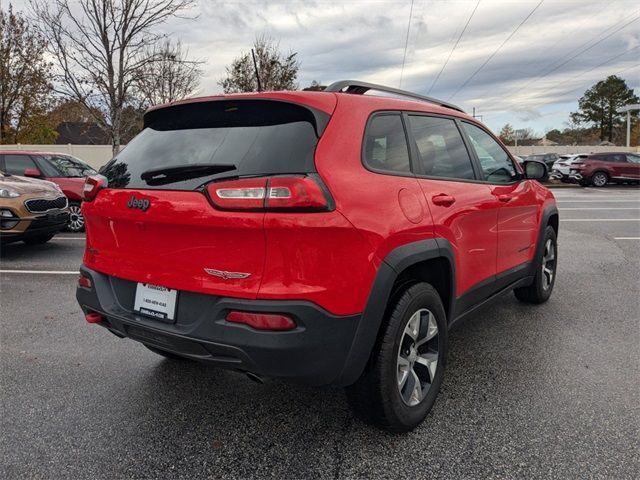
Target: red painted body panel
<point>172,242</point>
<point>518,223</point>
<point>72,187</point>
<point>469,224</point>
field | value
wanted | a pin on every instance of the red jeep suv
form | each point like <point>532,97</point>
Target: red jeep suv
<point>319,237</point>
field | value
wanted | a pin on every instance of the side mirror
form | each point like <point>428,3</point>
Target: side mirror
<point>32,172</point>
<point>534,170</point>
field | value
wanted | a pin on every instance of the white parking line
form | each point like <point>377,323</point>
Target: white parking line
<point>69,238</point>
<point>600,208</point>
<point>626,238</point>
<point>600,220</point>
<point>637,200</point>
<point>44,272</point>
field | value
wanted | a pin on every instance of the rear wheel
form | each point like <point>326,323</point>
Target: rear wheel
<point>38,240</point>
<point>401,383</point>
<point>540,289</point>
<point>76,219</point>
<point>599,179</point>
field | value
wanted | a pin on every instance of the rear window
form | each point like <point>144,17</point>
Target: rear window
<point>250,137</point>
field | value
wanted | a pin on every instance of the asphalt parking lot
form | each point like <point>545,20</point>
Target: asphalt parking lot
<point>530,392</point>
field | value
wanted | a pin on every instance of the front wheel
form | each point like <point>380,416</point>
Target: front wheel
<point>540,289</point>
<point>76,219</point>
<point>403,378</point>
<point>599,179</point>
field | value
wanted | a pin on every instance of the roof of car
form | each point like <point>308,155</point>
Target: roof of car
<point>31,152</point>
<point>326,101</point>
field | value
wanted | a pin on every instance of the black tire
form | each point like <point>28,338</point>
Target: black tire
<point>376,396</point>
<point>599,179</point>
<point>76,219</point>
<point>39,240</point>
<point>165,354</point>
<point>541,288</point>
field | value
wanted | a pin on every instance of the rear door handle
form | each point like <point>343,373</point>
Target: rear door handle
<point>505,198</point>
<point>443,200</point>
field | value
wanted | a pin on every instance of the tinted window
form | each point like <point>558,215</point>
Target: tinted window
<point>385,145</point>
<point>633,158</point>
<point>245,137</point>
<point>615,158</point>
<point>441,148</point>
<point>496,164</point>
<point>68,166</point>
<point>17,164</point>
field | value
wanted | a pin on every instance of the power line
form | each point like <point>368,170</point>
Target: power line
<point>454,48</point>
<point>406,43</point>
<point>597,66</point>
<point>496,51</point>
<point>547,73</point>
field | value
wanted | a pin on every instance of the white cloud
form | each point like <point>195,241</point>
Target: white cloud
<point>365,39</point>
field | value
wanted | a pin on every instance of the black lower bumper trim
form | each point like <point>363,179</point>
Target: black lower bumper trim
<point>313,353</point>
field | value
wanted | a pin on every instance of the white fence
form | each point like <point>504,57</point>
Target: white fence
<point>562,149</point>
<point>98,155</point>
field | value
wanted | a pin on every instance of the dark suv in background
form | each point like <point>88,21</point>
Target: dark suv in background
<point>598,169</point>
<point>66,171</point>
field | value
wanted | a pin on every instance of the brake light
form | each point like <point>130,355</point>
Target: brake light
<point>92,185</point>
<point>297,193</point>
<point>262,321</point>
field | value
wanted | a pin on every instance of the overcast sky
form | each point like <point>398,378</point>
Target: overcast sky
<point>518,61</point>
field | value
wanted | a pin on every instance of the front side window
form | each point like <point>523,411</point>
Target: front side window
<point>496,164</point>
<point>17,164</point>
<point>385,144</point>
<point>441,149</point>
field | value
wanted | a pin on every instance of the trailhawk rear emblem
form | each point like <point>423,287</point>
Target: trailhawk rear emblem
<point>226,275</point>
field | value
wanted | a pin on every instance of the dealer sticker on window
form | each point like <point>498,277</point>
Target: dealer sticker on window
<point>155,301</point>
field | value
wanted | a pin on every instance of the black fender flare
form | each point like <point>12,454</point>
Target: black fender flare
<point>547,213</point>
<point>391,267</point>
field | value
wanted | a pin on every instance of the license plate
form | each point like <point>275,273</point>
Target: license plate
<point>155,301</point>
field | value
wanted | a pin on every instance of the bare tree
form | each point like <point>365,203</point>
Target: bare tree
<point>24,77</point>
<point>99,46</point>
<point>169,75</point>
<point>277,71</point>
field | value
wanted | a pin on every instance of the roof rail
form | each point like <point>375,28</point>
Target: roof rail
<point>360,88</point>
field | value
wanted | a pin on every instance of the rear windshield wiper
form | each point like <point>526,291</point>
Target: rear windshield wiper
<point>164,175</point>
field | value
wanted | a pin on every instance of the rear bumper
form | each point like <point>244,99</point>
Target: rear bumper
<point>314,353</point>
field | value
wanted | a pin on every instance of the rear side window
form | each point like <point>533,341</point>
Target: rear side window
<point>242,137</point>
<point>494,161</point>
<point>17,164</point>
<point>633,158</point>
<point>441,150</point>
<point>385,144</point>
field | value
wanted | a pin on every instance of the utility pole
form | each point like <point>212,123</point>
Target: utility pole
<point>628,109</point>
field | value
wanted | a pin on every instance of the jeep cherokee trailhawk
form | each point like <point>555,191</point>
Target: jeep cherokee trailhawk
<point>319,237</point>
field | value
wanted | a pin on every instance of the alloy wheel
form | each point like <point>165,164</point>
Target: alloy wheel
<point>417,361</point>
<point>599,179</point>
<point>76,219</point>
<point>548,264</point>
